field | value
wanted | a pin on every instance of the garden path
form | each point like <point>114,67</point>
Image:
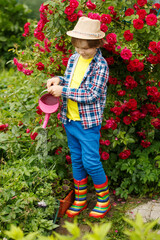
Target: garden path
<point>148,208</point>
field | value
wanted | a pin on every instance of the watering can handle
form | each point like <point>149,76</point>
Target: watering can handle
<point>45,90</point>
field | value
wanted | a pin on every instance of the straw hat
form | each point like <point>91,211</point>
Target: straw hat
<point>87,28</point>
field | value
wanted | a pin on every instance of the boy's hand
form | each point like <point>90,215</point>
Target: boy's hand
<point>53,81</point>
<point>55,90</point>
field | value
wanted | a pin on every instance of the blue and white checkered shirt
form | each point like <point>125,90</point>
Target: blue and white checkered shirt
<point>91,94</point>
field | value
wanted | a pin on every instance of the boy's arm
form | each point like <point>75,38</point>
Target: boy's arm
<point>91,93</point>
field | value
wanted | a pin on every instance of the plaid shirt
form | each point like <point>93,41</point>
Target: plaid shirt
<point>91,94</point>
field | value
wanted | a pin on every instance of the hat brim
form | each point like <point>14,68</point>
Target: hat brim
<point>86,36</point>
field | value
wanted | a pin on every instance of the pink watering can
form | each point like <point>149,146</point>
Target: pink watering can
<point>48,104</point>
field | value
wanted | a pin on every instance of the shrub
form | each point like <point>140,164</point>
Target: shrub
<point>12,19</point>
<point>141,231</point>
<point>130,130</point>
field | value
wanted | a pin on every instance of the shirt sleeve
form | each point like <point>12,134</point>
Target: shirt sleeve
<point>89,94</point>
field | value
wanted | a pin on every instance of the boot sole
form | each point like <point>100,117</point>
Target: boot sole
<point>101,216</point>
<point>77,213</point>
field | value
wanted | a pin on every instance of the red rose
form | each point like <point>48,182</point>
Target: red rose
<point>141,3</point>
<point>129,12</point>
<point>27,130</point>
<point>142,134</point>
<point>15,61</point>
<point>72,18</point>
<point>106,18</point>
<point>102,142</point>
<point>134,63</point>
<point>156,123</point>
<point>33,135</point>
<point>157,6</point>
<point>151,90</point>
<point>138,23</point>
<point>152,59</point>
<point>110,60</point>
<point>128,35</point>
<point>125,154</point>
<point>40,25</point>
<point>135,115</point>
<point>141,13</point>
<point>40,66</point>
<point>153,46</point>
<point>145,144</point>
<point>140,67</point>
<point>107,142</point>
<point>68,159</point>
<point>110,123</point>
<point>130,83</point>
<point>127,120</point>
<point>121,93</point>
<point>39,111</point>
<point>19,67</point>
<point>126,54</point>
<point>130,68</point>
<point>74,4</point>
<point>65,61</point>
<point>94,16</point>
<point>58,151</point>
<point>111,38</point>
<point>151,19</point>
<point>105,155</point>
<point>47,44</point>
<point>104,27</point>
<point>69,10</point>
<point>26,29</point>
<point>117,110</point>
<point>132,104</point>
<point>80,13</point>
<point>43,8</point>
<point>112,80</point>
<point>3,127</point>
<point>39,35</point>
<point>90,5</point>
<point>136,7</point>
<point>27,71</point>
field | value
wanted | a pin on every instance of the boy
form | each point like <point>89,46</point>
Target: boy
<point>83,89</point>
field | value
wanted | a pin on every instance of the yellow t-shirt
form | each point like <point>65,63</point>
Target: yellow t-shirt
<point>80,69</point>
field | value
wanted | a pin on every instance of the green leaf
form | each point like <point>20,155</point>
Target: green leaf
<point>114,144</point>
<point>15,233</point>
<point>130,140</point>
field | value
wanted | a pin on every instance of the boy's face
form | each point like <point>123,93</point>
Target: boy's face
<point>84,50</point>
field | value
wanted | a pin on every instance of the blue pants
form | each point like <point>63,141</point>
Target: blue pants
<point>84,149</point>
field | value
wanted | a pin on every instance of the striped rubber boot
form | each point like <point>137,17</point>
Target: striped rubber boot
<point>103,204</point>
<point>80,202</point>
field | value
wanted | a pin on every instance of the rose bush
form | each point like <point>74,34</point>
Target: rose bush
<point>132,50</point>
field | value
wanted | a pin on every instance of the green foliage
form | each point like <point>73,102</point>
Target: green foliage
<point>139,175</point>
<point>140,231</point>
<point>13,16</point>
<point>34,6</point>
<point>139,172</point>
<point>28,167</point>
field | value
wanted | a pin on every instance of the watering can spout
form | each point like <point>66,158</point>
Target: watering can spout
<point>46,119</point>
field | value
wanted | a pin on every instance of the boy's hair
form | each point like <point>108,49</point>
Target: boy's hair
<point>91,43</point>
